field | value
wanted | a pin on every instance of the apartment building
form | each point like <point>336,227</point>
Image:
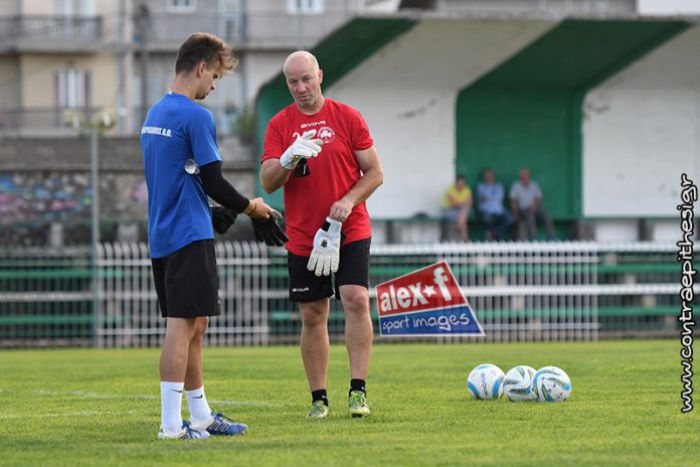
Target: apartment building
<point>61,62</point>
<point>68,61</point>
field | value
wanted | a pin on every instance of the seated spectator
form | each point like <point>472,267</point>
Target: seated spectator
<point>526,204</point>
<point>490,194</point>
<point>456,205</point>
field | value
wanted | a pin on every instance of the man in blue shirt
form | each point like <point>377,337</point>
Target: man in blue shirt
<point>490,194</point>
<point>183,169</point>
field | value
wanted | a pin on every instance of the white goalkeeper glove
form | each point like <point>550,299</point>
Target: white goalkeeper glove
<point>325,256</point>
<point>303,148</point>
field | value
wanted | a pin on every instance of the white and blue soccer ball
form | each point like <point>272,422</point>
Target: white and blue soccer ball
<point>517,384</point>
<point>486,382</point>
<point>551,384</point>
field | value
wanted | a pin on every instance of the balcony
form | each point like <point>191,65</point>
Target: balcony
<point>42,121</point>
<point>39,33</point>
<point>60,121</point>
<point>167,31</point>
<point>271,29</point>
<point>262,29</point>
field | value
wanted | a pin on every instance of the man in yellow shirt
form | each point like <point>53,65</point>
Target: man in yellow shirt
<point>456,205</point>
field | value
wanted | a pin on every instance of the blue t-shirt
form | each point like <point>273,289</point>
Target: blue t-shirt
<point>490,198</point>
<point>177,133</point>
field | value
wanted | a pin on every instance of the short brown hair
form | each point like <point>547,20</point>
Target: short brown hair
<point>204,46</point>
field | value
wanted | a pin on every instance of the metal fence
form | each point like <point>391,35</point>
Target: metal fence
<point>520,292</point>
<point>50,27</point>
<point>69,121</point>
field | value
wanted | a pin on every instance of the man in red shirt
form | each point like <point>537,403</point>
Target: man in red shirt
<point>322,152</point>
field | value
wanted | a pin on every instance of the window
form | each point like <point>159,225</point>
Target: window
<point>181,6</point>
<point>305,7</point>
<point>72,88</point>
<point>73,7</point>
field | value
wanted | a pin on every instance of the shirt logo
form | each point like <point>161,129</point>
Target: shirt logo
<point>156,130</point>
<point>326,134</point>
<point>307,125</point>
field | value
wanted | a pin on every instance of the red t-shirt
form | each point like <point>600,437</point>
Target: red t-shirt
<point>332,174</point>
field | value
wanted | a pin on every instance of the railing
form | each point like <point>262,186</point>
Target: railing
<point>30,121</point>
<point>257,28</point>
<point>564,291</point>
<point>51,27</point>
<point>169,30</point>
<point>279,28</point>
<point>18,120</point>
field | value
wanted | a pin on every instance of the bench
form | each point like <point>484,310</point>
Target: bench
<point>428,229</point>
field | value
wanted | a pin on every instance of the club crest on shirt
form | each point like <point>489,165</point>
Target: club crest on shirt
<point>326,134</point>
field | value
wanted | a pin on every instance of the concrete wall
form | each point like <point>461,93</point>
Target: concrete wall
<point>548,8</point>
<point>269,24</point>
<point>641,131</point>
<point>109,11</point>
<point>10,8</point>
<point>260,68</point>
<point>170,27</point>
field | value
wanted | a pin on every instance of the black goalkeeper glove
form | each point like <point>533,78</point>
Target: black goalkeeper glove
<point>222,218</point>
<point>269,231</point>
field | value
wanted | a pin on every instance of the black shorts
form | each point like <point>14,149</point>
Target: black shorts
<point>187,282</point>
<point>305,286</point>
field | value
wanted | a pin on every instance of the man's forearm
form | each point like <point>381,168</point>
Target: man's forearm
<point>365,186</point>
<point>273,176</point>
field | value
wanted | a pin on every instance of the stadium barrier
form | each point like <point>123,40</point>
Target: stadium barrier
<point>536,291</point>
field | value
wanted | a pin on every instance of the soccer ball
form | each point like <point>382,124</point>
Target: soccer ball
<point>551,384</point>
<point>486,382</point>
<point>517,385</point>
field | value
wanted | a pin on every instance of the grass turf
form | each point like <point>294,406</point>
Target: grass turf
<point>101,407</point>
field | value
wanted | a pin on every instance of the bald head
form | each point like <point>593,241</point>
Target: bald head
<point>300,59</point>
<point>304,78</point>
<point>525,176</point>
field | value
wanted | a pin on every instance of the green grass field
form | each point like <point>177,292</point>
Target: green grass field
<point>101,407</point>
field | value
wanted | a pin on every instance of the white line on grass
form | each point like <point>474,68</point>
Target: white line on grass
<point>248,403</point>
<point>95,395</point>
<point>70,414</point>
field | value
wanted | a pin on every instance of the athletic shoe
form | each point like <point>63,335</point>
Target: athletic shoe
<point>318,410</point>
<point>357,404</point>
<point>222,426</point>
<point>188,432</point>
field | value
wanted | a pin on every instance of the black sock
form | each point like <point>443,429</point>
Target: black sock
<point>320,395</point>
<point>358,385</point>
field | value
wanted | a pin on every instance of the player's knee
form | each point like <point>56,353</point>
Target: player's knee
<point>314,313</point>
<point>201,327</point>
<point>355,299</point>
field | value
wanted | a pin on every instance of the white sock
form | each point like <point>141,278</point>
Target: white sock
<point>200,413</point>
<point>170,404</point>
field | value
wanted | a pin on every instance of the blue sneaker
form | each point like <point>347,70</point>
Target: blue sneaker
<point>221,425</point>
<point>187,432</point>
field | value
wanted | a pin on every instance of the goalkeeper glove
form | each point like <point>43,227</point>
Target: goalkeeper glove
<point>222,218</point>
<point>325,257</point>
<point>303,148</point>
<point>269,231</point>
